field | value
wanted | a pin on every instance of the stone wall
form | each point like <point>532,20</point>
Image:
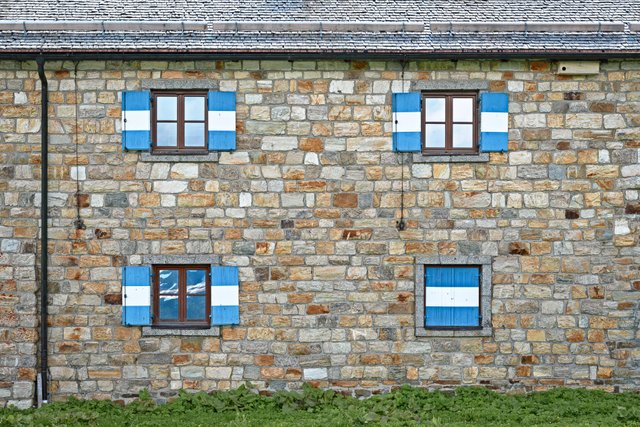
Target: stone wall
<point>306,207</point>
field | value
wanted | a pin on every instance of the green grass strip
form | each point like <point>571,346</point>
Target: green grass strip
<point>406,406</point>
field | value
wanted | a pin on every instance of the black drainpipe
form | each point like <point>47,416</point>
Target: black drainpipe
<point>44,239</point>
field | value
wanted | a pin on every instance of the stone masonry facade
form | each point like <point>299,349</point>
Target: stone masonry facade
<point>307,208</point>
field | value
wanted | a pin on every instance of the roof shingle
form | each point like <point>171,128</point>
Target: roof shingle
<point>216,39</point>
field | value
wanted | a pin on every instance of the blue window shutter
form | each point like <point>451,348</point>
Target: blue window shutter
<point>407,121</point>
<point>136,295</point>
<point>494,122</point>
<point>225,300</point>
<point>452,296</point>
<point>136,120</point>
<point>222,120</point>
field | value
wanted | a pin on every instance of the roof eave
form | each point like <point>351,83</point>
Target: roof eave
<point>306,54</point>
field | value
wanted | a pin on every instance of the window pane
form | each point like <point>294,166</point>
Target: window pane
<point>168,281</point>
<point>434,109</point>
<point>463,110</point>
<point>167,135</point>
<point>168,307</point>
<point>167,107</point>
<point>194,108</point>
<point>196,281</point>
<point>434,136</point>
<point>196,308</point>
<point>462,136</point>
<point>194,134</point>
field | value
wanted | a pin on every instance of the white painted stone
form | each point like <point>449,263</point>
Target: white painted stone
<point>622,227</point>
<point>20,98</point>
<point>603,156</point>
<point>245,200</point>
<point>342,86</point>
<point>97,200</point>
<point>630,170</point>
<point>78,173</point>
<point>170,186</point>
<point>315,373</point>
<point>311,159</point>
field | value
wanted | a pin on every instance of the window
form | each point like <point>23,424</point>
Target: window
<point>181,295</point>
<point>453,296</point>
<point>179,122</point>
<point>449,123</point>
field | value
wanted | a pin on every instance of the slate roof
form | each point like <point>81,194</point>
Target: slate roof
<point>271,41</point>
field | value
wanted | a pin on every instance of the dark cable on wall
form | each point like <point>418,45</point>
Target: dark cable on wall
<point>79,223</point>
<point>401,224</point>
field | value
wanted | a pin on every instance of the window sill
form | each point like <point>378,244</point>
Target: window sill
<point>443,333</point>
<point>181,158</point>
<point>458,158</point>
<point>148,331</point>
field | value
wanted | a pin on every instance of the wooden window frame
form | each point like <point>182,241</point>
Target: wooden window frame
<point>180,123</point>
<point>455,328</point>
<point>449,149</point>
<point>182,322</point>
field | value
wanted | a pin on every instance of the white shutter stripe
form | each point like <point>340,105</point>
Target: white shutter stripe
<point>136,120</point>
<point>137,296</point>
<point>452,297</point>
<point>494,122</point>
<point>222,121</point>
<point>224,295</point>
<point>407,121</point>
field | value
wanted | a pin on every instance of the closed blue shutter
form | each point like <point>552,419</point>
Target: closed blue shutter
<point>494,122</point>
<point>407,122</point>
<point>225,300</point>
<point>452,296</point>
<point>222,120</point>
<point>136,120</point>
<point>136,295</point>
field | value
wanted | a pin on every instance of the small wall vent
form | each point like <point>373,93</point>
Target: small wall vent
<point>578,67</point>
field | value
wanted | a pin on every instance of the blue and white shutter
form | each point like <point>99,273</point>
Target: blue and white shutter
<point>407,121</point>
<point>494,122</point>
<point>452,296</point>
<point>222,120</point>
<point>225,296</point>
<point>136,120</point>
<point>136,295</point>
